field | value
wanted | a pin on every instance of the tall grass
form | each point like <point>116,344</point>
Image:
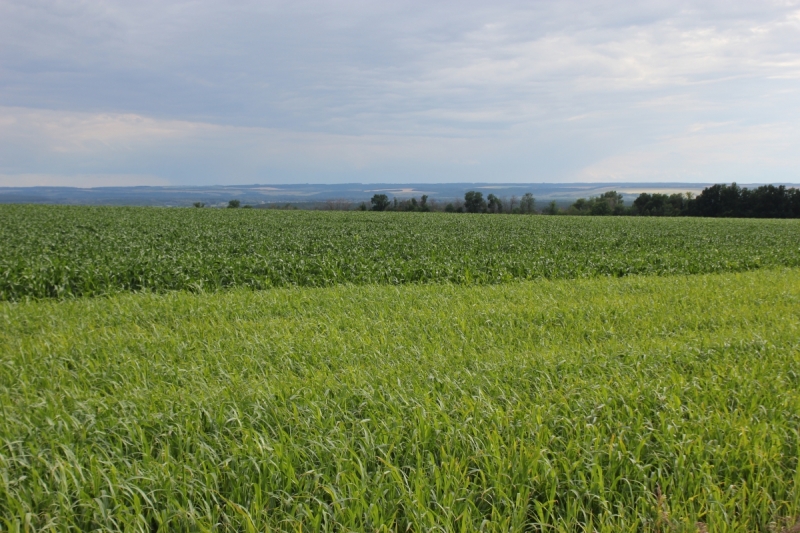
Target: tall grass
<point>634,404</point>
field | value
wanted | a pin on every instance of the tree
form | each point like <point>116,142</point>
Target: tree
<point>766,201</point>
<point>494,205</point>
<point>473,202</point>
<point>717,201</point>
<point>552,208</point>
<point>580,207</point>
<point>423,206</point>
<point>380,202</point>
<point>608,203</point>
<point>527,203</point>
<point>601,207</point>
<point>199,204</point>
<point>648,204</point>
<point>233,204</point>
<point>660,205</point>
<point>613,198</point>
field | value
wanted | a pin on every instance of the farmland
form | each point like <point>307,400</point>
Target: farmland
<point>60,251</point>
<point>621,405</point>
<point>422,372</point>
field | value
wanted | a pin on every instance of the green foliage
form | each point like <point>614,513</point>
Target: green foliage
<point>608,203</point>
<point>721,200</point>
<point>527,203</point>
<point>494,204</point>
<point>657,204</point>
<point>474,202</point>
<point>65,251</point>
<point>641,404</point>
<point>233,204</point>
<point>766,201</point>
<point>411,204</point>
<point>379,202</point>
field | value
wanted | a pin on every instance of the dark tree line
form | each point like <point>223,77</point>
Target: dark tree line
<point>608,203</point>
<point>380,202</point>
<point>473,202</point>
<point>722,200</point>
<point>662,205</point>
<point>766,201</point>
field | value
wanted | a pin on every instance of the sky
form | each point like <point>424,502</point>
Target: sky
<point>102,93</point>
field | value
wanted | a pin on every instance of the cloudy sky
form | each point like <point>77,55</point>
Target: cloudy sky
<point>211,92</point>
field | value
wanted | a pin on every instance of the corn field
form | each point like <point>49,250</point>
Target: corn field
<point>66,251</point>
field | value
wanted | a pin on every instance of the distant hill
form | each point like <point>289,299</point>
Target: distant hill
<point>310,195</point>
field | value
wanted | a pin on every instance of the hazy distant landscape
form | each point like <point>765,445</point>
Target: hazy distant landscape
<point>309,195</point>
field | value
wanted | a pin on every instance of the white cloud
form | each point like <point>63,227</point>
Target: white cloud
<point>102,145</point>
<point>204,92</point>
<point>754,154</point>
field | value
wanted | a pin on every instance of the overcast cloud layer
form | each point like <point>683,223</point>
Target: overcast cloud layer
<point>201,92</point>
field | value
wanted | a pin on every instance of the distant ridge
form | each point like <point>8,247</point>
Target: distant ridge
<point>309,194</point>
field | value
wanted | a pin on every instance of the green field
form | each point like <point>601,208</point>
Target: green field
<point>81,251</point>
<point>661,403</point>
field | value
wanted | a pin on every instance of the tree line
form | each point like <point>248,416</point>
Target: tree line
<point>721,200</point>
<point>473,202</point>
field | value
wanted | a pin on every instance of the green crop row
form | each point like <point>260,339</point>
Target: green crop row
<point>61,251</point>
<point>635,404</point>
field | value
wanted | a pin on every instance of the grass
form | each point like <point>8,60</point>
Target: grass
<point>633,404</point>
<point>64,251</point>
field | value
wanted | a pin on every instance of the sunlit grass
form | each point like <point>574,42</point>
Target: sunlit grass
<point>634,404</point>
